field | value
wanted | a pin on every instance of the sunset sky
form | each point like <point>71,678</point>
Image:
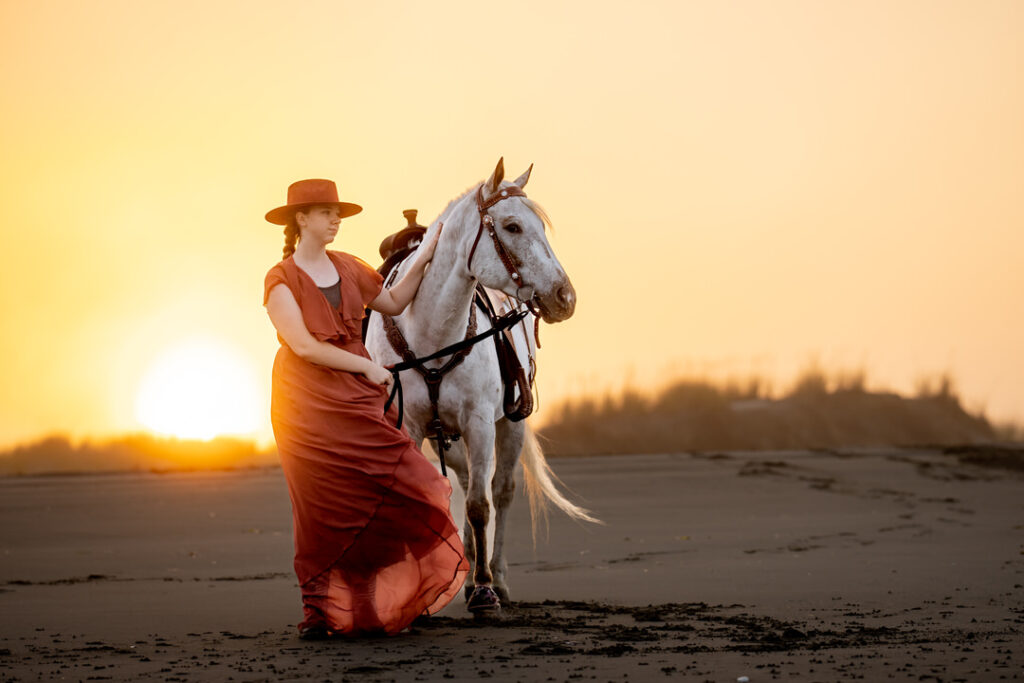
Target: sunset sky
<point>736,188</point>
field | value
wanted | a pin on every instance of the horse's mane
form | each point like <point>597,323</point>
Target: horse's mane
<point>448,209</point>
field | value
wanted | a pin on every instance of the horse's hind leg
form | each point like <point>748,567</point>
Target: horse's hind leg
<point>455,459</point>
<point>509,444</point>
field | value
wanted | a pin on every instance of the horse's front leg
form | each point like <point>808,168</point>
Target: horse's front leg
<point>458,463</point>
<point>509,444</point>
<point>479,438</point>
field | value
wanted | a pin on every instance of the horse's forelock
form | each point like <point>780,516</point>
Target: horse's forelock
<point>540,212</point>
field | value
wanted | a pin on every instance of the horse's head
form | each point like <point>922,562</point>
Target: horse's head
<point>517,258</point>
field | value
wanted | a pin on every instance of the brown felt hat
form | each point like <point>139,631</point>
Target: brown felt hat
<point>313,192</point>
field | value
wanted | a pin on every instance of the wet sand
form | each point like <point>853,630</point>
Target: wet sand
<point>840,565</point>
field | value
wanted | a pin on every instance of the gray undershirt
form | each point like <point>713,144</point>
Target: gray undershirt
<point>333,293</point>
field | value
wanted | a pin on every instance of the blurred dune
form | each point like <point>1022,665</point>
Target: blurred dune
<point>818,412</point>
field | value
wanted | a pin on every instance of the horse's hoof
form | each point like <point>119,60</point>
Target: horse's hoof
<point>467,591</point>
<point>316,632</point>
<point>483,599</point>
<point>503,595</point>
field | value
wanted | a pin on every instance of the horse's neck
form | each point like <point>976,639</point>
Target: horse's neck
<point>439,314</point>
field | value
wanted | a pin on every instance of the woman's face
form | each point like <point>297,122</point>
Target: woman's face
<point>319,223</point>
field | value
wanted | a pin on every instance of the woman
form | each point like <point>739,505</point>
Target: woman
<point>375,545</point>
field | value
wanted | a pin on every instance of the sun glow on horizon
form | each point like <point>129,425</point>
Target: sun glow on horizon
<point>739,188</point>
<point>199,389</point>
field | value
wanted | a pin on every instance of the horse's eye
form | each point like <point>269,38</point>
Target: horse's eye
<point>513,228</point>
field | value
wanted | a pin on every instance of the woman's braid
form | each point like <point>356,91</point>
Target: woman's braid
<point>291,236</point>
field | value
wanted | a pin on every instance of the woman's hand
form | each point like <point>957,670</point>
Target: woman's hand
<point>426,251</point>
<point>378,375</point>
<point>393,300</point>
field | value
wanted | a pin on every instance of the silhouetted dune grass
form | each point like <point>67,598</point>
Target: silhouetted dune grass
<point>818,412</point>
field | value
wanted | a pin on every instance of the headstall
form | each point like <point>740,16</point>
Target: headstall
<point>507,259</point>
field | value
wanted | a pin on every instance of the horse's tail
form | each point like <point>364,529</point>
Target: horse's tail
<point>540,486</point>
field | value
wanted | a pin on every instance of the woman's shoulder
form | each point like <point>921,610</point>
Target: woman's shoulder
<point>281,273</point>
<point>283,264</point>
<point>282,269</point>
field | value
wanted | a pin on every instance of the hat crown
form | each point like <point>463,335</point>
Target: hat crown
<point>313,191</point>
<point>306,193</point>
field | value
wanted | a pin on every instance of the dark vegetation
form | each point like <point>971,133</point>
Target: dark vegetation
<point>817,412</point>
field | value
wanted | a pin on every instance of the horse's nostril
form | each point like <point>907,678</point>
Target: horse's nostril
<point>566,295</point>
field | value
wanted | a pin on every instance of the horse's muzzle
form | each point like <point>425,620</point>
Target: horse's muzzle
<point>557,305</point>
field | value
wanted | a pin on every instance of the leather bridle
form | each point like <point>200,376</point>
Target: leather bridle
<point>506,257</point>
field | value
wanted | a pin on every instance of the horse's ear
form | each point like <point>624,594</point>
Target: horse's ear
<point>523,179</point>
<point>494,182</point>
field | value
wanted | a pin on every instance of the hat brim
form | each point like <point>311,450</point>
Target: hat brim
<point>281,214</point>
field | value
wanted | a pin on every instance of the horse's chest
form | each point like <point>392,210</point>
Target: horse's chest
<point>469,389</point>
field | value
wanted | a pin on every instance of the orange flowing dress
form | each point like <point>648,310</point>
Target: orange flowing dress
<point>375,543</point>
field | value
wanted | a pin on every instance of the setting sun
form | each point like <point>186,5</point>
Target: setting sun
<point>198,390</point>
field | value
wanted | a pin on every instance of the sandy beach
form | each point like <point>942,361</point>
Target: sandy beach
<point>871,564</point>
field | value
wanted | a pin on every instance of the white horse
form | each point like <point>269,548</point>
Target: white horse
<point>471,394</point>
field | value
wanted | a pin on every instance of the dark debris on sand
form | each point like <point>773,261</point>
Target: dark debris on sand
<point>996,457</point>
<point>565,640</point>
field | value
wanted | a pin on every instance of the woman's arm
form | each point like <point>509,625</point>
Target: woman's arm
<point>393,300</point>
<point>286,316</point>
